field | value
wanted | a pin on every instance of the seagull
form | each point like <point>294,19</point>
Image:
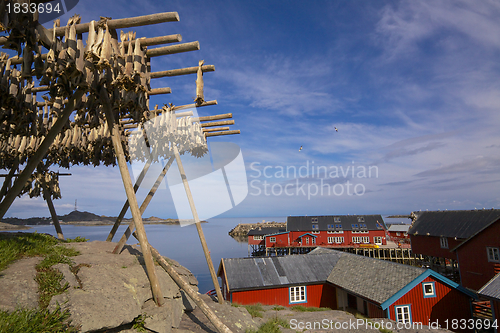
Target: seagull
<point>300,148</point>
<point>336,130</point>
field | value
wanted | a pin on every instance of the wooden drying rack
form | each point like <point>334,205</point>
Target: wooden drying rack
<point>56,110</point>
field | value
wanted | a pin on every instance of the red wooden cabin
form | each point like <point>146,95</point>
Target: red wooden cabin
<point>479,256</point>
<point>491,291</point>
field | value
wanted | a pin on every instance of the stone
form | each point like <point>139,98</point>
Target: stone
<point>18,286</point>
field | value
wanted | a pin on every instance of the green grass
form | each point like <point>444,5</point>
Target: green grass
<point>14,246</point>
<point>271,326</point>
<point>255,310</point>
<point>384,330</point>
<point>23,321</point>
<point>278,308</point>
<point>77,239</point>
<point>301,308</point>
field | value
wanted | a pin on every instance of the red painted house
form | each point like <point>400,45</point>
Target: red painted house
<point>399,232</point>
<point>375,288</point>
<point>435,233</point>
<point>491,291</point>
<point>479,256</point>
<point>330,231</point>
<point>257,236</point>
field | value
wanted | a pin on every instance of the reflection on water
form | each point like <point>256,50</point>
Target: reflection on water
<point>178,243</point>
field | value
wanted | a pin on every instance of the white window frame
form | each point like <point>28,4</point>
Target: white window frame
<point>331,240</point>
<point>365,240</point>
<point>377,240</point>
<point>272,239</point>
<point>493,254</point>
<point>339,240</point>
<point>403,313</point>
<point>430,294</point>
<point>297,294</point>
<point>356,240</point>
<point>443,241</point>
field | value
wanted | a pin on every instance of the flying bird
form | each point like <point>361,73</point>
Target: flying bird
<point>336,130</point>
<point>300,148</point>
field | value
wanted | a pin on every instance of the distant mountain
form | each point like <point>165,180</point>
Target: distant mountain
<point>77,216</point>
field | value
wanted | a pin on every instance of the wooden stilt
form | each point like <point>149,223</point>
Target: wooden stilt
<point>219,325</point>
<point>198,225</point>
<point>129,189</point>
<point>118,248</point>
<point>126,205</point>
<point>52,210</point>
<point>35,159</point>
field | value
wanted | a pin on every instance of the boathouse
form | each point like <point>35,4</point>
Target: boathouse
<point>340,280</point>
<point>398,233</point>
<point>491,291</point>
<point>438,235</point>
<point>337,230</point>
<point>257,236</point>
<point>479,256</point>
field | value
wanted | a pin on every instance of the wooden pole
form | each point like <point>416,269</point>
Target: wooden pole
<point>222,133</point>
<point>216,117</point>
<point>118,248</point>
<point>129,189</point>
<point>40,153</point>
<point>126,205</point>
<point>218,123</point>
<point>182,71</point>
<point>215,129</point>
<point>198,224</point>
<point>172,49</point>
<point>159,91</point>
<point>219,325</point>
<point>52,210</point>
<point>8,178</point>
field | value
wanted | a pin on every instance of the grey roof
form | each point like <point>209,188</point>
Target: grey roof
<point>492,288</point>
<point>250,273</point>
<point>379,279</point>
<point>304,223</point>
<point>399,227</point>
<point>461,224</point>
<point>265,231</point>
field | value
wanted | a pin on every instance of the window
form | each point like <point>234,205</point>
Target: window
<point>315,227</point>
<point>336,219</point>
<point>331,227</point>
<point>315,232</point>
<point>313,240</point>
<point>379,226</point>
<point>493,254</point>
<point>258,237</point>
<point>398,234</point>
<point>298,294</point>
<point>356,240</point>
<point>331,240</point>
<point>272,239</point>
<point>365,240</point>
<point>339,240</point>
<point>377,240</point>
<point>354,226</point>
<point>338,227</point>
<point>429,290</point>
<point>444,242</point>
<point>307,240</point>
<point>403,314</point>
<point>314,220</point>
<point>363,226</point>
<point>361,219</point>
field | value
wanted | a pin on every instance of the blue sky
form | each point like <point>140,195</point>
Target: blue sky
<point>413,88</point>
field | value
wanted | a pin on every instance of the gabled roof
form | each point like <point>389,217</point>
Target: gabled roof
<point>492,288</point>
<point>265,231</point>
<point>304,223</point>
<point>379,279</point>
<point>252,273</point>
<point>461,224</point>
<point>399,227</point>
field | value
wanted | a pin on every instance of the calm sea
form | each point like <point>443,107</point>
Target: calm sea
<point>178,243</point>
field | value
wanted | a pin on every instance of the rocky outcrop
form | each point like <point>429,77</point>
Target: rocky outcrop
<point>108,291</point>
<point>242,229</point>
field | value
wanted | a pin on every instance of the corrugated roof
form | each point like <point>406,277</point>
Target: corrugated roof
<point>399,227</point>
<point>461,224</point>
<point>304,223</point>
<point>265,231</point>
<point>492,288</point>
<point>249,273</point>
<point>379,279</point>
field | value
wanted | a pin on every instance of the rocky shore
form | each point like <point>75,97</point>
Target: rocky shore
<point>242,229</point>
